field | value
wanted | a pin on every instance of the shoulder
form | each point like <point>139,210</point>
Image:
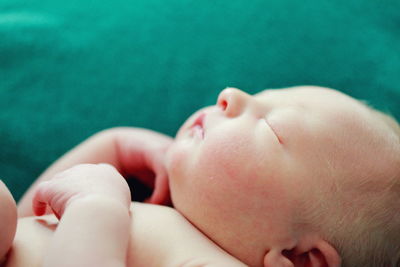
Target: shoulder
<point>157,221</point>
<point>161,236</point>
<point>148,211</point>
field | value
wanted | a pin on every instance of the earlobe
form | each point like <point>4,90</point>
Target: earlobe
<point>275,258</point>
<point>326,252</point>
<point>319,253</point>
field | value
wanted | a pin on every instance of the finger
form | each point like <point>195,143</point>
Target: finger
<point>39,201</point>
<point>39,208</point>
<point>58,216</point>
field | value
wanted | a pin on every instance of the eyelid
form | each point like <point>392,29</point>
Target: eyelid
<point>273,130</point>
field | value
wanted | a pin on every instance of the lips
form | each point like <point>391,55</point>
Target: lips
<point>197,128</point>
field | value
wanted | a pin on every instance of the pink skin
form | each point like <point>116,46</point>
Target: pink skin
<point>243,170</point>
<point>8,219</point>
<point>92,202</point>
<point>76,183</point>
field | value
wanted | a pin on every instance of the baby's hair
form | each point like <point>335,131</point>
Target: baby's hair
<point>370,237</point>
<point>360,215</point>
<point>391,122</point>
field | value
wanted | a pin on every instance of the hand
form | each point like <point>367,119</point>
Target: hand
<point>78,182</point>
<point>142,154</point>
<point>133,151</point>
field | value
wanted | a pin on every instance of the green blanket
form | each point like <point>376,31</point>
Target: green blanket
<point>71,68</point>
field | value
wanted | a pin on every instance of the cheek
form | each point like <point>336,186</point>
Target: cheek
<point>237,159</point>
<point>223,170</point>
<point>226,154</point>
<point>238,169</point>
<point>212,172</point>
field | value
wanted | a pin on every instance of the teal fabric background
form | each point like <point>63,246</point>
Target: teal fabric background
<point>71,68</point>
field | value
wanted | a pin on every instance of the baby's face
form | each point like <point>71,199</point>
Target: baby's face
<point>244,170</point>
<point>8,219</point>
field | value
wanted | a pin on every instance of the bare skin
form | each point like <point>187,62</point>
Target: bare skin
<point>242,171</point>
<point>252,166</point>
<point>92,204</point>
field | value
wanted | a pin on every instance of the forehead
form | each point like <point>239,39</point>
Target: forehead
<point>306,96</point>
<point>326,108</point>
<point>332,109</point>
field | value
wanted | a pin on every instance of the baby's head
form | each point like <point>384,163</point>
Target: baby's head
<point>291,176</point>
<point>8,220</point>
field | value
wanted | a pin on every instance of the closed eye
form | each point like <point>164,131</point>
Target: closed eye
<point>273,130</point>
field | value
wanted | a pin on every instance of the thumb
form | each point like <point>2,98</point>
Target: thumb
<point>40,200</point>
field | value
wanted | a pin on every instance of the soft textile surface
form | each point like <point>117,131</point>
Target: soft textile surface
<point>71,68</point>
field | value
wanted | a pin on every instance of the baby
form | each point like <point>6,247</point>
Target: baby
<point>304,176</point>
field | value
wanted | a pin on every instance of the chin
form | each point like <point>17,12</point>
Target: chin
<point>177,159</point>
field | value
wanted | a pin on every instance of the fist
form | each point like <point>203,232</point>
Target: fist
<point>79,182</point>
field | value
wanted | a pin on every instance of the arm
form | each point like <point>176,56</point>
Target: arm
<point>133,151</point>
<point>94,216</point>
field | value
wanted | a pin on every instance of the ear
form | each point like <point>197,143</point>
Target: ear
<point>317,253</point>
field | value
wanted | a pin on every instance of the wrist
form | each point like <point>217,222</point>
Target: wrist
<point>97,201</point>
<point>99,227</point>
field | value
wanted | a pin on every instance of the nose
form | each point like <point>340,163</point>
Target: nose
<point>233,101</point>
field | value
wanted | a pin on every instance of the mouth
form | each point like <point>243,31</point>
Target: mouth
<point>197,128</point>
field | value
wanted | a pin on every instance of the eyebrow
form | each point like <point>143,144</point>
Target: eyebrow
<point>385,116</point>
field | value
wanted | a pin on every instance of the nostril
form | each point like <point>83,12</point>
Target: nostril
<point>223,104</point>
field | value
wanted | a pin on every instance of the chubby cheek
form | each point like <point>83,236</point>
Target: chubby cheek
<point>207,173</point>
<point>233,158</point>
<point>226,157</point>
<point>223,173</point>
<point>225,195</point>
